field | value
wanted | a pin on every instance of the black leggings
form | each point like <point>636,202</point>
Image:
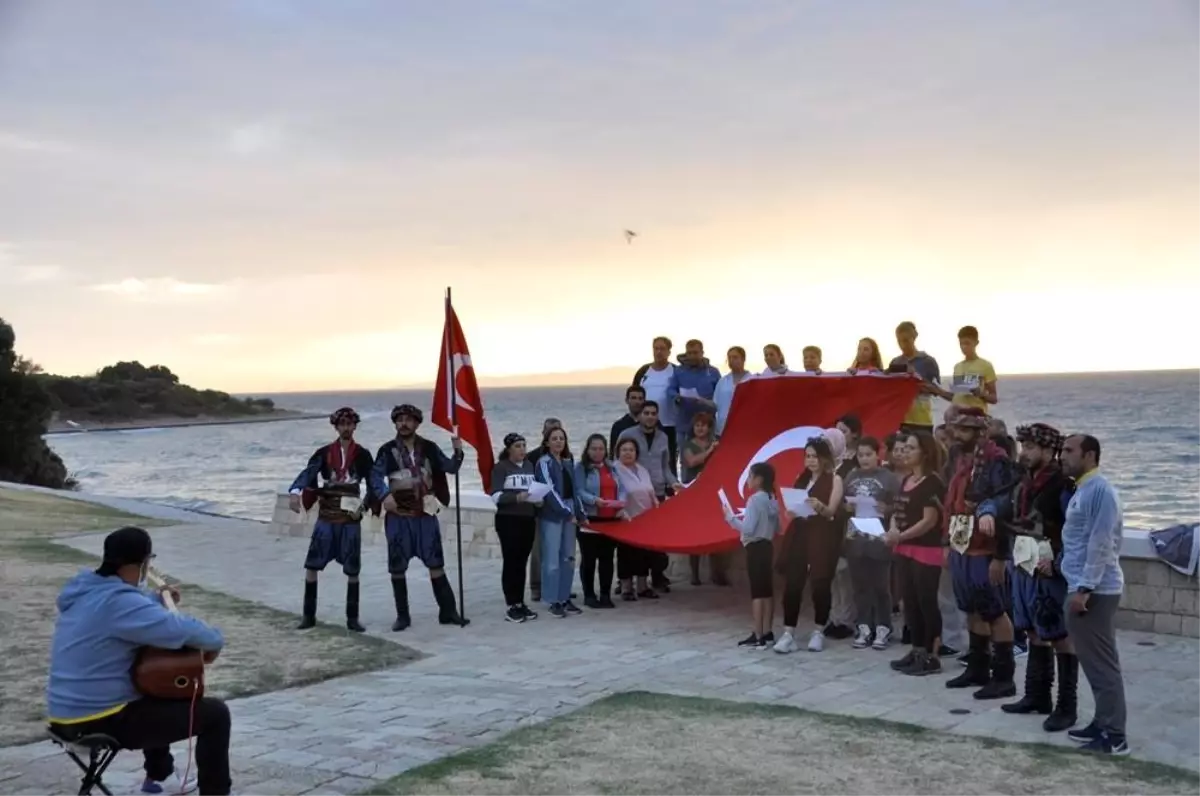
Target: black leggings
<point>152,725</point>
<point>516,533</point>
<point>812,556</point>
<point>596,550</point>
<point>919,585</point>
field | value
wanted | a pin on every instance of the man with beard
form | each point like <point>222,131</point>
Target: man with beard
<point>654,455</point>
<point>331,479</point>
<point>415,470</point>
<point>635,396</point>
<point>981,478</point>
<point>1038,598</point>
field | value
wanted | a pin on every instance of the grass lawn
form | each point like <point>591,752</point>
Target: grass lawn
<point>649,743</point>
<point>263,652</point>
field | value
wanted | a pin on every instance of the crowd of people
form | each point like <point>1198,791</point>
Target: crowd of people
<point>1015,537</point>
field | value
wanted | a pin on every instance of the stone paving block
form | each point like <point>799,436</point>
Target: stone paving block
<point>343,786</point>
<point>291,757</point>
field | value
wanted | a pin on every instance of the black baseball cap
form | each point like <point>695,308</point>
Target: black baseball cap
<point>128,545</point>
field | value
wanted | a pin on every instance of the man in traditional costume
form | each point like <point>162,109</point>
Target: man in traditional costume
<point>414,470</point>
<point>332,479</point>
<point>977,506</point>
<point>1039,505</point>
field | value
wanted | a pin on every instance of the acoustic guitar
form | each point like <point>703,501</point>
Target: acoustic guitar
<point>168,674</point>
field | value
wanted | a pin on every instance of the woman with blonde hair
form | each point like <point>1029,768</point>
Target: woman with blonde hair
<point>867,359</point>
<point>773,356</point>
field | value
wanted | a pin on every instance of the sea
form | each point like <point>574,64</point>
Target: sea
<point>1148,425</point>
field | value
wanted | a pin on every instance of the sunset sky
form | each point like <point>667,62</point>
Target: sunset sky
<point>272,195</point>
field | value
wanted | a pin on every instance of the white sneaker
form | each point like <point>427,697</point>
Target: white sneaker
<point>882,637</point>
<point>786,643</point>
<point>816,642</point>
<point>862,639</point>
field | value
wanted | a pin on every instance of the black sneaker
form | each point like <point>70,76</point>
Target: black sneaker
<point>648,594</point>
<point>558,610</point>
<point>1085,734</point>
<point>606,602</point>
<point>528,614</point>
<point>752,641</point>
<point>514,614</point>
<point>923,666</point>
<point>946,652</point>
<point>768,638</point>
<point>1107,743</point>
<point>903,663</point>
<point>592,602</point>
<point>572,608</point>
<point>837,632</point>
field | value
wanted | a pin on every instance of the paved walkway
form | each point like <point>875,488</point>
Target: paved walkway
<point>480,682</point>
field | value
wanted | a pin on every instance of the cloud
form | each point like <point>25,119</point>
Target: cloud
<point>254,139</point>
<point>154,289</point>
<point>20,142</point>
<point>216,339</point>
<point>14,271</point>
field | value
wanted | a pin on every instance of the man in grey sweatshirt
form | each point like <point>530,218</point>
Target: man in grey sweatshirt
<point>654,453</point>
<point>653,450</point>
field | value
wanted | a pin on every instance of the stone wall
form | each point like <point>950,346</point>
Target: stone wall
<point>1157,598</point>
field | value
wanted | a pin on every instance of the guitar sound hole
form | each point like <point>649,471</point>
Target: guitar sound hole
<point>181,682</point>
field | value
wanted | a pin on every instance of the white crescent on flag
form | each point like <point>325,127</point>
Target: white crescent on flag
<point>458,362</point>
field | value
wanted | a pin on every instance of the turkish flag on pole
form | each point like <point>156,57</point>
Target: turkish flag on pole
<point>457,403</point>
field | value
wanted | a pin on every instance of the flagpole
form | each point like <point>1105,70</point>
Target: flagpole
<point>453,395</point>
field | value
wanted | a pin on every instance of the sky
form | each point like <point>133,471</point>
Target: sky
<point>268,195</point>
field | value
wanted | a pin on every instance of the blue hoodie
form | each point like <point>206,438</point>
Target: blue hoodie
<point>703,379</point>
<point>102,623</point>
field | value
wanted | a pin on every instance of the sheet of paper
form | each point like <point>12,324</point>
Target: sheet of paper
<point>538,491</point>
<point>962,388</point>
<point>350,505</point>
<point>864,507</point>
<point>727,506</point>
<point>688,392</point>
<point>871,526</point>
<point>796,501</point>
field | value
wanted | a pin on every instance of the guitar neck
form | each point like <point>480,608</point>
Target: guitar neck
<point>155,580</point>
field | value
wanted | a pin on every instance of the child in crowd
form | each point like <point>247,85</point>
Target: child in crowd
<point>757,528</point>
<point>870,492</point>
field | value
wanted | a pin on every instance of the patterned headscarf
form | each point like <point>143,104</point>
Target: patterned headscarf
<point>344,414</point>
<point>1042,435</point>
<point>407,409</point>
<point>837,442</point>
<point>512,439</point>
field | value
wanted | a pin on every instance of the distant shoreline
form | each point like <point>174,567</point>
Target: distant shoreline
<point>278,416</point>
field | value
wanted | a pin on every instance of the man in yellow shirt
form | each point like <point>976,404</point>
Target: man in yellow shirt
<point>974,382</point>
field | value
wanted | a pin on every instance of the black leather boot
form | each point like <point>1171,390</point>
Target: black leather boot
<point>979,665</point>
<point>1003,668</point>
<point>1064,715</point>
<point>352,608</point>
<point>310,606</point>
<point>447,611</point>
<point>400,594</point>
<point>1039,680</point>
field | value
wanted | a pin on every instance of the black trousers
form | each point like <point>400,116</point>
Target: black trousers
<point>597,551</point>
<point>811,555</point>
<point>152,725</point>
<point>919,585</point>
<point>632,561</point>
<point>516,535</point>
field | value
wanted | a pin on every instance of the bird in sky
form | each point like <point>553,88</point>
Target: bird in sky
<point>630,235</point>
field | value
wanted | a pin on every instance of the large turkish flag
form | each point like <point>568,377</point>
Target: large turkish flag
<point>771,420</point>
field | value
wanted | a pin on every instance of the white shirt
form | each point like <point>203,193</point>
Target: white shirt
<point>655,382</point>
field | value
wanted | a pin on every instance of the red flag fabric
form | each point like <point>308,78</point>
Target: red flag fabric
<point>771,420</point>
<point>456,398</point>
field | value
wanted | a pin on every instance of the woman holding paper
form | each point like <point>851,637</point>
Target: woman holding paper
<point>516,522</point>
<point>603,499</point>
<point>813,544</point>
<point>557,519</point>
<point>633,563</point>
<point>915,536</point>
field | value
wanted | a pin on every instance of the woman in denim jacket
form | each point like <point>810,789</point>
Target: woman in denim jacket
<point>558,517</point>
<point>602,498</point>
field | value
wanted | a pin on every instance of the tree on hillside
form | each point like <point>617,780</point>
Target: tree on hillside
<point>25,408</point>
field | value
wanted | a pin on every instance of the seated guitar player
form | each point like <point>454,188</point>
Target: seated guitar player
<point>104,618</point>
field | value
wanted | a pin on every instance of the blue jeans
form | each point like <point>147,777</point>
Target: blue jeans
<point>558,559</point>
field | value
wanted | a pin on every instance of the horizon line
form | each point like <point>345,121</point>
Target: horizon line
<point>414,386</point>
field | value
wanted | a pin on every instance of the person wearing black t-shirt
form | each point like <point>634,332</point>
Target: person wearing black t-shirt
<point>915,536</point>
